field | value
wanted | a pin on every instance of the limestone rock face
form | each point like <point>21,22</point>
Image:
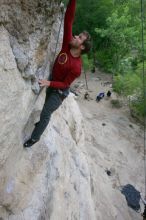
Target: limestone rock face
<point>31,25</point>
<point>60,177</point>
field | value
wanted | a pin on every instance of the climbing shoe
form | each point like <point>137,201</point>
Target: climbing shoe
<point>29,143</point>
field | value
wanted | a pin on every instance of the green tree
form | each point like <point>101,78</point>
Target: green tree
<point>120,37</point>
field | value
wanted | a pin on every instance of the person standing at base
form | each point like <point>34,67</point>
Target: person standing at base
<point>66,68</point>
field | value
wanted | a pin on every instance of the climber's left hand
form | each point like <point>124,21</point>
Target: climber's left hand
<point>44,83</point>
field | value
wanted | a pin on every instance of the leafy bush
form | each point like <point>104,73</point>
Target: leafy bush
<point>138,106</point>
<point>116,103</point>
<point>127,84</point>
<point>131,86</point>
<point>87,63</point>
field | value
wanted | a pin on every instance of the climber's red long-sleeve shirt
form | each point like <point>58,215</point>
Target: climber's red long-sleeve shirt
<point>66,67</point>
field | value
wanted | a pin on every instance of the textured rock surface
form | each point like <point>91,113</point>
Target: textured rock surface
<point>31,26</point>
<point>51,180</point>
<point>62,177</point>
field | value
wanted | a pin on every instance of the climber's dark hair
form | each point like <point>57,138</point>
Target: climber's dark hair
<point>87,43</point>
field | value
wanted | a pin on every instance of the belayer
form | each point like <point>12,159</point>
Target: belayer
<point>67,67</point>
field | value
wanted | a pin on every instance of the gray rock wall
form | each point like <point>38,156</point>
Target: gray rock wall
<point>63,176</point>
<point>28,34</point>
<point>30,25</point>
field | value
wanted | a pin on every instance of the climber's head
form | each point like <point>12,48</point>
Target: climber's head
<point>81,42</point>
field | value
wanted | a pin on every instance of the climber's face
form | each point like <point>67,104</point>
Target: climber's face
<point>77,41</point>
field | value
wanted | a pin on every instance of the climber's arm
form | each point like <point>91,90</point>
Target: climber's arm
<point>60,85</point>
<point>68,22</point>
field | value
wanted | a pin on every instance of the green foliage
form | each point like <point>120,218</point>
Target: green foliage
<point>131,85</point>
<point>87,63</point>
<point>65,2</point>
<point>91,14</point>
<point>119,36</point>
<point>127,84</point>
<point>116,103</point>
<point>138,106</point>
<point>104,59</point>
<point>115,27</point>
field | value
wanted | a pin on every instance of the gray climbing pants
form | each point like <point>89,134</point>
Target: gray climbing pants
<point>52,102</point>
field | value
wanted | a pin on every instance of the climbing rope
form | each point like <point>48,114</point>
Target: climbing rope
<point>47,57</point>
<point>48,53</point>
<point>144,96</point>
<point>86,80</point>
<point>62,15</point>
<point>86,95</point>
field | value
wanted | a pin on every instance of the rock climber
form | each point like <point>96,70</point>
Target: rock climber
<point>66,68</point>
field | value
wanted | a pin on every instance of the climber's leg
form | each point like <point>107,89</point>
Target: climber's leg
<point>51,104</point>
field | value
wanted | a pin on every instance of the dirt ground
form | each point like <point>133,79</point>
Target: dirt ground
<point>115,140</point>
